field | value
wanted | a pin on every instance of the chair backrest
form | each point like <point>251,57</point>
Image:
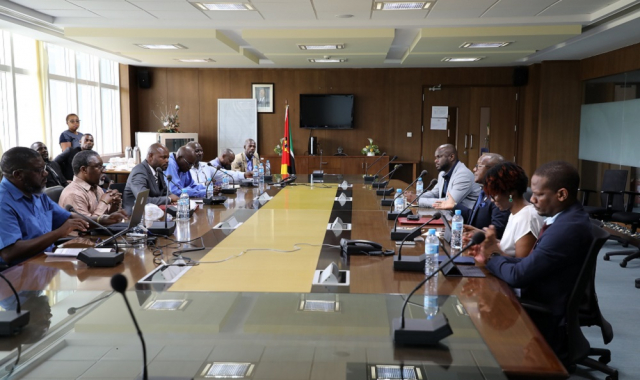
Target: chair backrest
<point>578,345</point>
<point>119,186</point>
<point>54,192</point>
<point>614,180</point>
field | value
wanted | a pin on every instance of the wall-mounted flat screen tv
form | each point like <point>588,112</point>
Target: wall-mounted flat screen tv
<point>318,111</point>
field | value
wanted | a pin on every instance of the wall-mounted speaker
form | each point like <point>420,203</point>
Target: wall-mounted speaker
<point>144,78</point>
<point>520,76</point>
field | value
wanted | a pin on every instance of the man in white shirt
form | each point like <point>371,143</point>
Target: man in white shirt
<point>201,172</point>
<point>223,165</point>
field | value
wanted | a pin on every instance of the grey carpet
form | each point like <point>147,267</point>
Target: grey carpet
<point>620,304</point>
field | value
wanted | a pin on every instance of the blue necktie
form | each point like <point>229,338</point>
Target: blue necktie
<point>479,203</point>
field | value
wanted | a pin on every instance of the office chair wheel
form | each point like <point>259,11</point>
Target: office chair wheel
<point>606,257</point>
<point>623,264</point>
<point>605,359</point>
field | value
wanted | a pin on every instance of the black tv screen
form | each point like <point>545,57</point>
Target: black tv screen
<point>319,111</point>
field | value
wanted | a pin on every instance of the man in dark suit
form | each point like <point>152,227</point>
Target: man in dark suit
<point>145,176</point>
<point>55,177</point>
<point>65,159</point>
<point>484,213</point>
<point>549,273</point>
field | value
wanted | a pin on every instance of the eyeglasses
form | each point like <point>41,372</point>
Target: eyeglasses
<point>74,120</point>
<point>188,163</point>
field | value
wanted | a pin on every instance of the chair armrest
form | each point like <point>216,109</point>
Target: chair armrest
<point>628,207</point>
<point>535,306</point>
<point>585,195</point>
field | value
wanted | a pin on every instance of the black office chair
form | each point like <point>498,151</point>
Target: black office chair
<point>583,310</point>
<point>119,186</point>
<point>614,184</point>
<point>54,192</point>
<point>633,220</point>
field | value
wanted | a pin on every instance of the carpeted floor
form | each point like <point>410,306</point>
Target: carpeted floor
<point>620,304</point>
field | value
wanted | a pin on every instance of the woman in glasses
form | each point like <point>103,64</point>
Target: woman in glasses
<point>506,184</point>
<point>71,137</point>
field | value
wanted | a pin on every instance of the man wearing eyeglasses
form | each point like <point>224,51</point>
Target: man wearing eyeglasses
<point>179,165</point>
<point>84,194</point>
<point>484,213</point>
<point>31,221</point>
<point>65,159</point>
<point>55,178</point>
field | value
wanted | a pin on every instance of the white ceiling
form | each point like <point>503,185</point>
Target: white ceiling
<point>268,37</point>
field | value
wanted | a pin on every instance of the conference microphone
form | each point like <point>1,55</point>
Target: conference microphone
<point>119,284</point>
<point>395,235</point>
<point>91,256</point>
<point>11,323</point>
<point>377,184</point>
<point>233,189</point>
<point>384,192</point>
<point>433,182</point>
<point>72,310</point>
<point>412,263</point>
<point>367,177</point>
<point>426,332</point>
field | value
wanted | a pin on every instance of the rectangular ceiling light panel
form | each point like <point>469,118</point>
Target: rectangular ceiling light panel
<point>225,6</point>
<point>321,47</point>
<point>484,45</point>
<point>401,5</point>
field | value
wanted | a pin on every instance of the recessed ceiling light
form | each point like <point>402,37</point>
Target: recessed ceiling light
<point>327,60</point>
<point>400,5</point>
<point>321,47</point>
<point>464,59</point>
<point>484,45</point>
<point>161,46</point>
<point>196,60</point>
<point>225,6</point>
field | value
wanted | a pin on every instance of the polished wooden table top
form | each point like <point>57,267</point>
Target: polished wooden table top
<point>506,328</point>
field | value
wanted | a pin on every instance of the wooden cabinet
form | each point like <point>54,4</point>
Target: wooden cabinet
<point>334,164</point>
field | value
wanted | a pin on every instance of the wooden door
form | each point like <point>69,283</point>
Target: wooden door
<point>493,121</point>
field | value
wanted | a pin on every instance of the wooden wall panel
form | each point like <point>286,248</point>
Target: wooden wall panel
<point>128,100</point>
<point>150,100</point>
<point>613,62</point>
<point>528,124</point>
<point>183,90</point>
<point>559,112</point>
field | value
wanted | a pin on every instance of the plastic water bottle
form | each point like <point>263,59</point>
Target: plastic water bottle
<point>430,304</point>
<point>419,186</point>
<point>261,173</point>
<point>267,168</point>
<point>431,246</point>
<point>225,180</point>
<point>456,231</point>
<point>183,206</point>
<point>398,201</point>
<point>255,175</point>
<point>210,191</point>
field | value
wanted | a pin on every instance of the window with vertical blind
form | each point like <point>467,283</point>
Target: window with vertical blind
<point>41,83</point>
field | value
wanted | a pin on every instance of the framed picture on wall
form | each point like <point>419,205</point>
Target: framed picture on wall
<point>263,94</point>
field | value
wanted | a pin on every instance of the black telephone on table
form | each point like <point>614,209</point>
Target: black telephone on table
<point>363,247</point>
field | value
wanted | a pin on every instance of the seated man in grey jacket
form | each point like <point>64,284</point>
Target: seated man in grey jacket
<point>456,184</point>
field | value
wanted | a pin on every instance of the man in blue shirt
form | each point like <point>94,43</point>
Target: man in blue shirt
<point>179,165</point>
<point>31,222</point>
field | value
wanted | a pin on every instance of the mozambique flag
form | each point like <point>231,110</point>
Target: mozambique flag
<point>288,165</point>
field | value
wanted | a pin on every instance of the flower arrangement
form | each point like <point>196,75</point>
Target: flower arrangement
<point>371,149</point>
<point>278,148</point>
<point>169,121</point>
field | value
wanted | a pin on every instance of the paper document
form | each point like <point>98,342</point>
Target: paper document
<point>73,252</point>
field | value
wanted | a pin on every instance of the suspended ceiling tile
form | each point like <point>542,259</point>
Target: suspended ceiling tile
<point>111,5</point>
<point>399,15</point>
<point>342,6</point>
<point>46,4</point>
<point>164,5</point>
<point>287,11</point>
<point>178,15</point>
<point>523,38</point>
<point>128,15</point>
<point>518,8</point>
<point>70,13</point>
<point>435,59</point>
<point>286,41</point>
<point>565,10</point>
<point>357,15</point>
<point>459,4</point>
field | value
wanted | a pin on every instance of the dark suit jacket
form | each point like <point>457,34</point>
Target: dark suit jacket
<point>55,177</point>
<point>550,271</point>
<point>488,215</point>
<point>139,180</point>
<point>65,159</point>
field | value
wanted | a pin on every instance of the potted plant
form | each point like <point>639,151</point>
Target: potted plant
<point>371,149</point>
<point>169,121</point>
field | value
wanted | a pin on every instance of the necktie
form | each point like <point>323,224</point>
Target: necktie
<point>542,230</point>
<point>479,203</point>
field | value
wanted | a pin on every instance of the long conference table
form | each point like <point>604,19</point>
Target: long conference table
<point>250,304</point>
